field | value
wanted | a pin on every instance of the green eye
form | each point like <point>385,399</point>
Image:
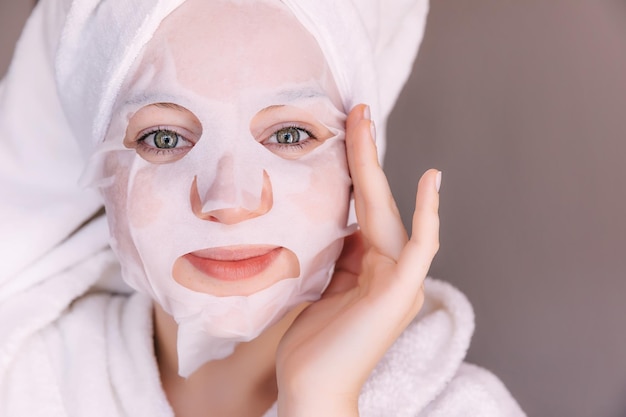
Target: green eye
<point>165,139</point>
<point>288,135</point>
<point>292,141</point>
<point>163,145</point>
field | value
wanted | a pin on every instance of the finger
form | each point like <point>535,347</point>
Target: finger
<point>419,252</point>
<point>376,210</point>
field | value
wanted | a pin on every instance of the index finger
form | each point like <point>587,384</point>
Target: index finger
<point>376,210</point>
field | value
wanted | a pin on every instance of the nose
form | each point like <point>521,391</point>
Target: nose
<point>234,213</point>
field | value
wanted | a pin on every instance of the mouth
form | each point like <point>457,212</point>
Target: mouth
<point>234,263</point>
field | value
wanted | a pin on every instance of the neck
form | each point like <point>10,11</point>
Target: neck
<point>247,378</point>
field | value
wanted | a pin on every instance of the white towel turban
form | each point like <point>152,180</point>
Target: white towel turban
<point>55,106</point>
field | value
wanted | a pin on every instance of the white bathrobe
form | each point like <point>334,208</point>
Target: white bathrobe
<point>97,359</point>
<point>73,341</point>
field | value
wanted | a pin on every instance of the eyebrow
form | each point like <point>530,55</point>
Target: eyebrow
<point>172,106</point>
<point>288,95</point>
<point>295,94</point>
<point>291,95</point>
<point>299,94</point>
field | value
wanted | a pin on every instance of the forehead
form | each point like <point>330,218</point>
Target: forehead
<point>220,48</point>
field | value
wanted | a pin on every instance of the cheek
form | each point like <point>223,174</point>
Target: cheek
<point>115,201</point>
<point>116,174</point>
<point>327,195</point>
<point>144,202</point>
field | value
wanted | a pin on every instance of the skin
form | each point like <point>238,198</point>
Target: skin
<point>315,361</point>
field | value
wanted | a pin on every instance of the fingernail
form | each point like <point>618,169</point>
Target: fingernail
<point>373,130</point>
<point>438,181</point>
<point>367,113</point>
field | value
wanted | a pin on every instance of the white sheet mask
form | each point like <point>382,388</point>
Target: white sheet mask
<point>182,220</point>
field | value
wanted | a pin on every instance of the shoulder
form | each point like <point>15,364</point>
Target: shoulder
<point>424,371</point>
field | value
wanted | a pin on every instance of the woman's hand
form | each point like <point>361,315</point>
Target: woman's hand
<point>377,289</point>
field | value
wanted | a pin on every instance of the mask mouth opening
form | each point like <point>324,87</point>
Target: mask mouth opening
<point>235,270</point>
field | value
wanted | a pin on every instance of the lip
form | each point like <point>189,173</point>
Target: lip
<point>234,263</point>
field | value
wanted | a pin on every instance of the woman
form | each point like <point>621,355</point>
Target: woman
<point>224,139</point>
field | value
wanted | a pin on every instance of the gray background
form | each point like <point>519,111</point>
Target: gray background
<point>522,104</point>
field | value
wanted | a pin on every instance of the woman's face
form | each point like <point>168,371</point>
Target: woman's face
<point>232,176</point>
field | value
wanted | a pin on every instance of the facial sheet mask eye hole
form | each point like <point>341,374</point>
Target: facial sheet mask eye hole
<point>291,142</point>
<point>162,132</point>
<point>288,131</point>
